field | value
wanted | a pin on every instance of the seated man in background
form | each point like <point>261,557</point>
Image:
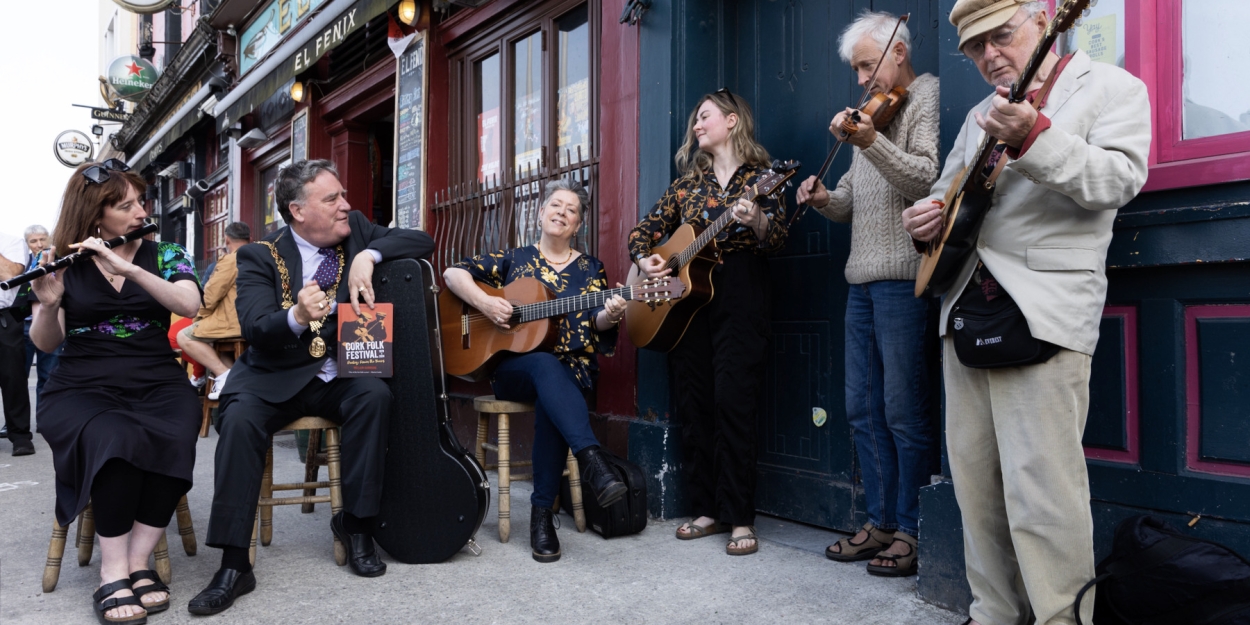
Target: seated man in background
<point>217,318</point>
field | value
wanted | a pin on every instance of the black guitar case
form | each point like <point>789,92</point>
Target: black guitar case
<point>435,494</point>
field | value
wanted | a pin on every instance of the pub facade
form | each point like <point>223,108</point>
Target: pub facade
<point>449,116</point>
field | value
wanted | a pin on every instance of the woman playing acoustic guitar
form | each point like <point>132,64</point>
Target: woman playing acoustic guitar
<point>719,363</point>
<point>554,382</point>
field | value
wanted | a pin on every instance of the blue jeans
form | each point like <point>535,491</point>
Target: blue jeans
<point>46,363</point>
<point>561,419</point>
<point>887,399</point>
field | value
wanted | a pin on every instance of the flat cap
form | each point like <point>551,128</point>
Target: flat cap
<point>975,17</point>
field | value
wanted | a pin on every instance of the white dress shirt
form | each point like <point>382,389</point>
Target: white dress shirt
<point>14,249</point>
<point>310,261</point>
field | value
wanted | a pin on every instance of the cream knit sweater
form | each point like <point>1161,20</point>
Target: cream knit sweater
<point>898,168</point>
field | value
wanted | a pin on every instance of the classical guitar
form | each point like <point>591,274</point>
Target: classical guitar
<point>434,493</point>
<point>968,200</point>
<point>691,255</point>
<point>472,345</point>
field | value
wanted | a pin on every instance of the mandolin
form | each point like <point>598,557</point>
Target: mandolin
<point>692,256</point>
<point>473,345</point>
<point>968,200</point>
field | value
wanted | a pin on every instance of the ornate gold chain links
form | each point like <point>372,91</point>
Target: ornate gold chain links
<point>318,347</point>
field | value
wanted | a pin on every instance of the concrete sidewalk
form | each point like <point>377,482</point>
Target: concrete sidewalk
<point>647,578</point>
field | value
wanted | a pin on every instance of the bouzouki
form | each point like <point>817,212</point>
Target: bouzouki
<point>968,200</point>
<point>473,345</point>
<point>692,256</point>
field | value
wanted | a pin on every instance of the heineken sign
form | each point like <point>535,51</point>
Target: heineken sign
<point>73,148</point>
<point>132,77</point>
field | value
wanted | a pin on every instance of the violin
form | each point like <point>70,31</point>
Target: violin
<point>880,108</point>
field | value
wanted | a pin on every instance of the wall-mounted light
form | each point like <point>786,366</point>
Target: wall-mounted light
<point>408,12</point>
<point>299,89</point>
<point>97,130</point>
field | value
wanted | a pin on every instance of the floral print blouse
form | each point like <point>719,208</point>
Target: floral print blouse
<point>579,342</point>
<point>700,204</point>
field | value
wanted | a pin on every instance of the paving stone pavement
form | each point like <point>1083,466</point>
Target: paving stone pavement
<point>642,579</point>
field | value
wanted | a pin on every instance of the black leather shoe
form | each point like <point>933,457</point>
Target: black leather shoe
<point>227,585</point>
<point>361,555</point>
<point>600,477</point>
<point>543,541</point>
<point>23,449</point>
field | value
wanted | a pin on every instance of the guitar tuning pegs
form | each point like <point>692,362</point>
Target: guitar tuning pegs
<point>1092,4</point>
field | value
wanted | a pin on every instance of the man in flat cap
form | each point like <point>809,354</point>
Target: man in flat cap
<point>1014,432</point>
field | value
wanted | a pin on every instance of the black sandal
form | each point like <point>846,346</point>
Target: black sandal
<point>103,605</point>
<point>156,586</point>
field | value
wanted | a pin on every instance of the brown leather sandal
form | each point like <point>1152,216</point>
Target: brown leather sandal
<point>850,551</point>
<point>733,549</point>
<point>694,530</point>
<point>905,565</point>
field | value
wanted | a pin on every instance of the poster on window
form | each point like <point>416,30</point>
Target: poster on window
<point>410,137</point>
<point>488,145</point>
<point>574,122</point>
<point>529,125</point>
<point>1097,37</point>
<point>299,136</point>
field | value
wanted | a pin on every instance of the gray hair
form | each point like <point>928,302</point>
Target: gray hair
<point>572,186</point>
<point>239,231</point>
<point>35,229</point>
<point>289,187</point>
<point>1035,7</point>
<point>878,25</point>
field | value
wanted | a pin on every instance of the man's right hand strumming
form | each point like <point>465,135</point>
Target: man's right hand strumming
<point>923,220</point>
<point>653,266</point>
<point>312,304</point>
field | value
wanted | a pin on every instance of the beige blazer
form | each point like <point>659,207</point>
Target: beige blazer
<point>1046,236</point>
<point>217,318</point>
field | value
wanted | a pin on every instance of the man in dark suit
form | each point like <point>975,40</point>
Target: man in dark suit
<point>289,290</point>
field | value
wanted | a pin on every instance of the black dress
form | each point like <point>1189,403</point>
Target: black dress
<point>118,391</point>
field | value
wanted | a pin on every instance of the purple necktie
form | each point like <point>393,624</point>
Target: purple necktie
<point>328,270</point>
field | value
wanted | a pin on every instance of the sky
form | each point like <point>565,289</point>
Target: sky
<point>61,69</point>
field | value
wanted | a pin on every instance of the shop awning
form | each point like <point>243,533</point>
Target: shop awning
<point>323,33</point>
<point>178,125</point>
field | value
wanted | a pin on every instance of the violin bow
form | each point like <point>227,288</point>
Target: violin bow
<point>833,153</point>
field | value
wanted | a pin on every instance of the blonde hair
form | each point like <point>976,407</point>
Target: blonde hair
<point>692,161</point>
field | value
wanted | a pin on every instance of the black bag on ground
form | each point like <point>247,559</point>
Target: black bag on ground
<point>1156,575</point>
<point>628,515</point>
<point>989,329</point>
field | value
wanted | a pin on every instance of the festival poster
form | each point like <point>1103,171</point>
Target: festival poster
<point>365,341</point>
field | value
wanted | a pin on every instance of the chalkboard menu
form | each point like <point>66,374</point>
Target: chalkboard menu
<point>410,136</point>
<point>299,136</point>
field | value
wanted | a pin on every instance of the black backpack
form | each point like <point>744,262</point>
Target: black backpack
<point>1155,575</point>
<point>628,515</point>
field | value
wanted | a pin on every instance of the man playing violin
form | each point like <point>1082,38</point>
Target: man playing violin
<point>1014,432</point>
<point>887,383</point>
<point>290,288</point>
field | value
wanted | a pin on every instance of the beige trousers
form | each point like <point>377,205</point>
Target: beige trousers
<point>1014,438</point>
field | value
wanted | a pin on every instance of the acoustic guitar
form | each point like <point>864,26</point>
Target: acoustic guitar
<point>473,345</point>
<point>692,256</point>
<point>968,200</point>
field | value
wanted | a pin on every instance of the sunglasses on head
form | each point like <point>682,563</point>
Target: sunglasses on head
<point>726,91</point>
<point>99,174</point>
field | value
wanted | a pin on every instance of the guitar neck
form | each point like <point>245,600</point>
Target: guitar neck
<point>685,256</point>
<point>565,305</point>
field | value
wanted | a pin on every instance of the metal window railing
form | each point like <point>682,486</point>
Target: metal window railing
<point>478,218</point>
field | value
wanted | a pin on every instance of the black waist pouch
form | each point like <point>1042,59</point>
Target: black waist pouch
<point>990,331</point>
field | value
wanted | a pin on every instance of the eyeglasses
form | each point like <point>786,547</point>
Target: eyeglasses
<point>1001,39</point>
<point>725,90</point>
<point>99,174</point>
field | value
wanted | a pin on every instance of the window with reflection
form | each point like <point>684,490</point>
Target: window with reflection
<point>1215,103</point>
<point>486,94</point>
<point>1100,33</point>
<point>573,86</point>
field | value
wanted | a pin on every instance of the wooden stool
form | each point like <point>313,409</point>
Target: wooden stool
<point>234,346</point>
<point>85,542</point>
<point>487,405</point>
<point>264,508</point>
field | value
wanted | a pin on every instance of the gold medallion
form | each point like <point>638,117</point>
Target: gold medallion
<point>317,348</point>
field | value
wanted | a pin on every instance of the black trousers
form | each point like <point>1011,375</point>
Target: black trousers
<point>14,374</point>
<point>362,407</point>
<point>123,493</point>
<point>718,379</point>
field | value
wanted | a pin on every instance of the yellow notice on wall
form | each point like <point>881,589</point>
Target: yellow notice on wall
<point>1096,37</point>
